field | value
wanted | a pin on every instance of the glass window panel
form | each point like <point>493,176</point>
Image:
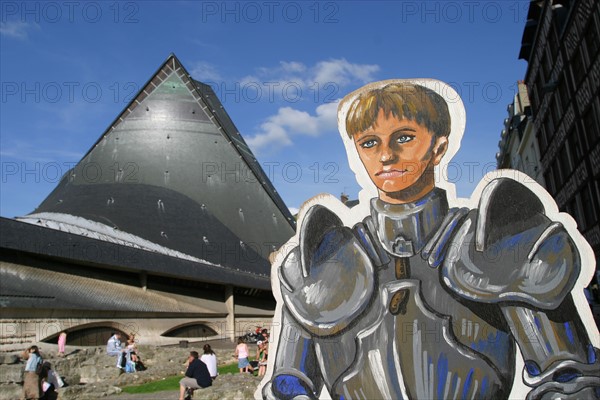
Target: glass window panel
<point>590,125</point>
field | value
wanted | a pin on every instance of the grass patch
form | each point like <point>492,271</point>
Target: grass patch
<point>229,369</point>
<point>172,382</point>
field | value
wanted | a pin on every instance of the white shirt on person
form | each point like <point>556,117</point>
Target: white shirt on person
<point>211,363</point>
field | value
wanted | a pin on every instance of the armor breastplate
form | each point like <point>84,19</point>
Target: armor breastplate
<point>416,340</point>
<point>412,304</point>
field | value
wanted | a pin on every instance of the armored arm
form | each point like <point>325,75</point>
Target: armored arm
<point>326,284</point>
<point>509,253</point>
<point>329,280</point>
<point>296,373</point>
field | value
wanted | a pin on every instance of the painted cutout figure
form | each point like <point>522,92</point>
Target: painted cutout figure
<point>416,294</point>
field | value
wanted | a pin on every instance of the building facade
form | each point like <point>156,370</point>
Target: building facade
<point>518,146</point>
<point>561,44</point>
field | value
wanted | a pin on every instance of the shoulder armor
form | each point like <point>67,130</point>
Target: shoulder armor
<point>508,250</point>
<point>329,280</point>
<point>506,208</point>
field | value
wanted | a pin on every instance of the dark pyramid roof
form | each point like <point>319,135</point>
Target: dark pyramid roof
<point>172,174</point>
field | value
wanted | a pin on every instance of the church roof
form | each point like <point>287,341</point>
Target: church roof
<point>172,175</point>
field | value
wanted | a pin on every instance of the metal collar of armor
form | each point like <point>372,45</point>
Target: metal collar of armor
<point>404,229</point>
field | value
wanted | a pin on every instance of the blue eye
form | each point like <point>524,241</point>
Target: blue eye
<point>405,138</point>
<point>368,144</point>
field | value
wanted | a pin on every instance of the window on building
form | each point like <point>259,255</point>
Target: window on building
<point>575,145</point>
<point>560,15</point>
<point>558,106</point>
<point>539,89</point>
<point>590,209</point>
<point>557,173</point>
<point>576,210</point>
<point>570,209</point>
<point>549,128</point>
<point>547,65</point>
<point>585,55</point>
<point>596,190</point>
<point>590,126</point>
<point>556,109</point>
<point>552,44</point>
<point>549,178</point>
<point>592,38</point>
<point>578,66</point>
<point>88,335</point>
<point>541,137</point>
<point>564,160</point>
<point>533,97</point>
<point>197,329</point>
<point>563,92</point>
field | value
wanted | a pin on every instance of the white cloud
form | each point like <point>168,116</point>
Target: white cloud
<point>294,210</point>
<point>271,135</point>
<point>339,72</point>
<point>271,86</point>
<point>277,130</point>
<point>205,72</point>
<point>292,66</point>
<point>342,72</point>
<point>296,121</point>
<point>327,114</point>
<point>16,29</point>
<point>289,81</point>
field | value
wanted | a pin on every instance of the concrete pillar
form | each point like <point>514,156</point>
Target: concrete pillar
<point>230,304</point>
<point>144,280</point>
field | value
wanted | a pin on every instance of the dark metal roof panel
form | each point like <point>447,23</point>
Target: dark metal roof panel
<point>77,249</point>
<point>159,215</point>
<point>23,287</point>
<point>238,141</point>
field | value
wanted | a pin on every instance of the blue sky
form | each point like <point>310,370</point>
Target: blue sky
<point>68,68</point>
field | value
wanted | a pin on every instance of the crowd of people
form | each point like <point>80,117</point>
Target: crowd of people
<point>40,379</point>
<point>128,358</point>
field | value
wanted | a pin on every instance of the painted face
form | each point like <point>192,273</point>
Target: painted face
<point>399,156</point>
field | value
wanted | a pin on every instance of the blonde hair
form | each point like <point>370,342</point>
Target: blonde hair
<point>403,101</point>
